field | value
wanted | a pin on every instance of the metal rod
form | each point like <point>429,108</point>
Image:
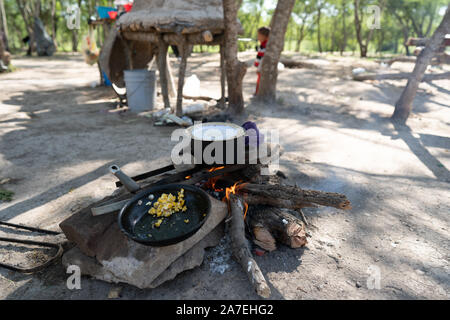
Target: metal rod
<point>18,226</point>
<point>149,174</point>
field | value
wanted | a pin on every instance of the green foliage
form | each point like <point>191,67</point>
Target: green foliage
<point>399,19</point>
<point>6,195</point>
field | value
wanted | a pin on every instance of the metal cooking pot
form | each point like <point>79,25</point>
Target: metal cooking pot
<point>217,143</point>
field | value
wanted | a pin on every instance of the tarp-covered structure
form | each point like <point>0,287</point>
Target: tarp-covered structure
<point>151,26</point>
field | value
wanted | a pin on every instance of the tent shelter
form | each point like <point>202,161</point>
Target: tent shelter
<point>183,23</point>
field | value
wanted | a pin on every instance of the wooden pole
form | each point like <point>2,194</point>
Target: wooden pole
<point>162,67</point>
<point>128,52</point>
<point>185,49</point>
<point>170,82</point>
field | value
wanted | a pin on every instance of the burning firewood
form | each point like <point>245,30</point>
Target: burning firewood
<point>241,249</point>
<point>291,197</point>
<point>270,225</point>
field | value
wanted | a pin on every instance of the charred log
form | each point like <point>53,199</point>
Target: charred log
<point>241,249</point>
<point>292,197</point>
<point>270,225</point>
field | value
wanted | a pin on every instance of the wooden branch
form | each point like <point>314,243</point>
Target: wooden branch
<point>268,224</point>
<point>185,50</point>
<point>399,76</point>
<point>174,39</point>
<point>205,98</point>
<point>170,82</point>
<point>205,38</point>
<point>263,237</point>
<point>241,249</point>
<point>404,104</point>
<point>440,58</point>
<point>141,36</point>
<point>422,42</point>
<point>162,67</point>
<point>397,59</point>
<point>293,64</point>
<point>275,202</point>
<point>292,197</point>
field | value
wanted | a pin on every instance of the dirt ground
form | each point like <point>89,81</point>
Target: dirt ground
<point>57,140</point>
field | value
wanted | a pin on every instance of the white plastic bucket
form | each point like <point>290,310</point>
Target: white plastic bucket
<point>141,89</point>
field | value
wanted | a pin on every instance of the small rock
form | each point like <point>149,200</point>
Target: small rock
<point>418,271</point>
<point>114,293</point>
<point>5,181</point>
<point>394,244</point>
<point>358,284</point>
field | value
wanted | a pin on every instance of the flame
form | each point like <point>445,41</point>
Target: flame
<point>215,168</point>
<point>187,177</point>
<point>246,209</point>
<point>211,183</point>
<point>230,190</point>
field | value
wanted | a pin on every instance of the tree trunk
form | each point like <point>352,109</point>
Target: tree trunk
<point>269,67</point>
<point>28,24</point>
<point>300,35</point>
<point>319,44</point>
<point>358,22</point>
<point>75,34</point>
<point>4,55</point>
<point>344,30</point>
<point>37,8</point>
<point>235,69</point>
<point>74,40</point>
<point>53,13</point>
<point>404,104</point>
<point>4,25</point>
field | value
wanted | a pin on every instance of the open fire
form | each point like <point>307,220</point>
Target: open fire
<point>264,211</point>
<point>222,186</point>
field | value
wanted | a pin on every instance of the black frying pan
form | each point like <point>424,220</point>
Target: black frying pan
<point>137,224</point>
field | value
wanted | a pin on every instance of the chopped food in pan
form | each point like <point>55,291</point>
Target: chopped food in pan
<point>166,205</point>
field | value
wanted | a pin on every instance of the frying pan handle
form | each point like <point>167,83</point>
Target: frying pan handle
<point>128,183</point>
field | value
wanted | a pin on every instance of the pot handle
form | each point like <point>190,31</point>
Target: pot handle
<point>128,183</point>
